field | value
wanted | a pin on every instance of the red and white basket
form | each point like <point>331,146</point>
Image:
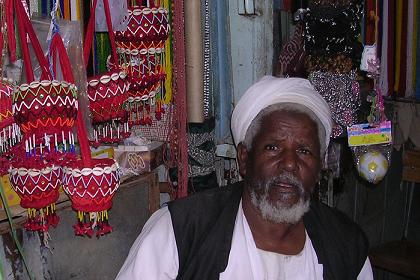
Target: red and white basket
<point>91,189</point>
<point>107,92</point>
<point>45,107</point>
<point>38,188</point>
<point>142,48</point>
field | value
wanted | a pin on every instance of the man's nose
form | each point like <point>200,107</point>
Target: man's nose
<point>288,160</point>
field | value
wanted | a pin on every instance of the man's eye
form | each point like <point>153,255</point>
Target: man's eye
<point>271,147</point>
<point>304,151</point>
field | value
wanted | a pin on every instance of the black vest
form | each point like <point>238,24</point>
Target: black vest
<point>203,226</point>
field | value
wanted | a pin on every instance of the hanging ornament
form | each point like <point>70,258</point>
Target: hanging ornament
<point>142,48</point>
<point>341,91</point>
<point>371,142</point>
<point>107,92</point>
<point>91,190</point>
<point>45,111</point>
<point>372,166</point>
<point>38,189</point>
<point>10,133</point>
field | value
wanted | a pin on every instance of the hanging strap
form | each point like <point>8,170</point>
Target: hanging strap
<point>26,29</point>
<point>91,29</point>
<point>10,29</point>
<point>59,50</point>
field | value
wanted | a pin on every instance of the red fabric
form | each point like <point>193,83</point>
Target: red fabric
<point>370,9</point>
<point>287,6</point>
<point>91,30</point>
<point>181,149</point>
<point>110,31</point>
<point>10,29</point>
<point>25,28</point>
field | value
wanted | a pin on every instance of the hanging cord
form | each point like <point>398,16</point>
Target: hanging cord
<point>13,232</point>
<point>54,28</point>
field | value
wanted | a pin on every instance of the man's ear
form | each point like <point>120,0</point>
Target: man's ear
<point>242,156</point>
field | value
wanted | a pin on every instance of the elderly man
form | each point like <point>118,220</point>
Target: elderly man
<point>266,227</point>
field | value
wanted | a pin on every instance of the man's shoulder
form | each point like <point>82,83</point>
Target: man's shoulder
<point>332,217</point>
<point>339,242</point>
<point>211,196</point>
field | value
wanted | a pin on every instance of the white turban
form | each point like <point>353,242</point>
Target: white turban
<point>271,90</point>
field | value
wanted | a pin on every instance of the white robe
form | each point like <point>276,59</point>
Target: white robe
<point>154,255</point>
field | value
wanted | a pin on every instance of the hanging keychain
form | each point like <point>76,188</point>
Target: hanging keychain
<point>371,142</point>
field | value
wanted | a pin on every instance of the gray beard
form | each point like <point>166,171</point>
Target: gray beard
<point>276,212</point>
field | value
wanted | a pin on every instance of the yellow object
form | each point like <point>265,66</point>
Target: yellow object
<point>11,196</point>
<point>370,139</point>
<point>102,152</point>
<point>168,62</point>
<point>373,166</point>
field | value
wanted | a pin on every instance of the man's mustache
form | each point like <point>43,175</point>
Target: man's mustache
<point>285,178</point>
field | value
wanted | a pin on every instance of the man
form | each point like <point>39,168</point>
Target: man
<point>265,227</point>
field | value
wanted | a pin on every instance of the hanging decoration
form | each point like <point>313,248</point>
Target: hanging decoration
<point>90,183</point>
<point>10,133</point>
<point>331,43</point>
<point>371,142</point>
<point>178,137</point>
<point>206,62</point>
<point>107,92</point>
<point>142,47</point>
<point>341,91</point>
<point>45,111</point>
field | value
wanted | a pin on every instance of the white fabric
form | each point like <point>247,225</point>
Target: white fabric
<point>154,255</point>
<point>271,90</point>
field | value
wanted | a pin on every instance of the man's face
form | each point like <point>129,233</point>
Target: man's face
<point>283,165</point>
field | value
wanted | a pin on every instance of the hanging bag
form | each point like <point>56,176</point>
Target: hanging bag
<point>90,183</point>
<point>142,47</point>
<point>44,110</point>
<point>107,92</point>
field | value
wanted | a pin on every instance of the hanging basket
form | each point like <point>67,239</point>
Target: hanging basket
<point>6,114</point>
<point>45,107</point>
<point>91,190</point>
<point>38,189</point>
<point>107,94</point>
<point>145,24</point>
<point>10,133</point>
<point>144,62</point>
